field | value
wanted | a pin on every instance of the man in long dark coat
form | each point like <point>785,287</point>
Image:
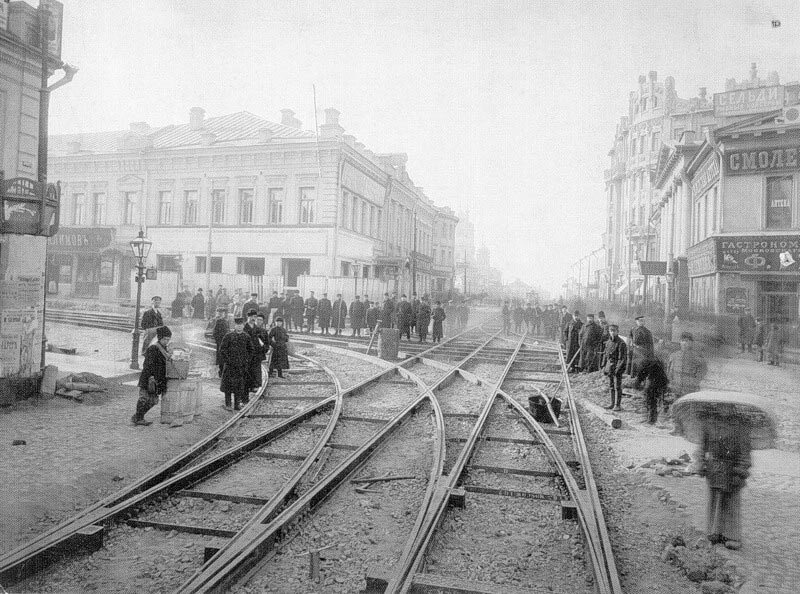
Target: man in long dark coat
<point>564,320</point>
<point>423,319</point>
<point>438,316</point>
<point>387,313</point>
<point>573,341</point>
<point>251,303</point>
<point>273,304</point>
<point>278,339</point>
<point>591,343</point>
<point>199,305</point>
<point>616,355</point>
<point>235,352</point>
<point>311,312</point>
<point>747,330</point>
<point>642,347</point>
<point>358,314</point>
<point>297,305</point>
<point>324,311</point>
<point>405,317</point>
<point>506,313</point>
<point>211,305</point>
<point>221,328</point>
<point>415,302</point>
<point>252,330</point>
<point>338,315</point>
<point>154,366</point>
<point>373,313</point>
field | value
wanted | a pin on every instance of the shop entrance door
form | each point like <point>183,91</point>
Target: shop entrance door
<point>87,279</point>
<point>292,268</point>
<point>778,302</point>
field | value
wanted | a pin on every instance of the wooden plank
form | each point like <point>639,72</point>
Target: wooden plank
<point>269,416</point>
<point>540,380</point>
<point>302,383</point>
<point>364,420</point>
<point>279,456</point>
<point>513,493</point>
<point>497,439</point>
<point>223,497</point>
<point>270,397</point>
<point>343,446</point>
<point>461,415</point>
<point>509,470</point>
<point>440,584</point>
<point>182,528</point>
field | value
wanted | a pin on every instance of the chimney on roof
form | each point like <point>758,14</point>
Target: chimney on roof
<point>360,146</point>
<point>196,115</point>
<point>288,119</point>
<point>207,138</point>
<point>331,127</point>
<point>703,94</point>
<point>753,72</point>
<point>140,127</point>
<point>264,135</point>
<point>74,147</point>
<point>349,139</point>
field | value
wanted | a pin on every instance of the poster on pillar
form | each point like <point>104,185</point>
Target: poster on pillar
<point>22,260</point>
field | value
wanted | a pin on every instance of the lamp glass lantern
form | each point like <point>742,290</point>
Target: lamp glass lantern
<point>140,246</point>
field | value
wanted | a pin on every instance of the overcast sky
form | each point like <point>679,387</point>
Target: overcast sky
<point>506,108</point>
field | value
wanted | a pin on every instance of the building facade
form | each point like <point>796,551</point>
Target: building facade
<point>23,187</point>
<point>238,197</point>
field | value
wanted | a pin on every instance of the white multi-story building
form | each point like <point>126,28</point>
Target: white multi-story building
<point>269,202</point>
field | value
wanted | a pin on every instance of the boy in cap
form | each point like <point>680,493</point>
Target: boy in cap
<point>221,328</point>
<point>151,319</point>
<point>251,328</point>
<point>235,353</point>
<point>153,378</point>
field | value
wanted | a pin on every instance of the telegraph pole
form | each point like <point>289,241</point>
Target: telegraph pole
<point>414,257</point>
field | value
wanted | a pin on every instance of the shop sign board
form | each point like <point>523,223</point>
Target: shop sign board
<point>707,175</point>
<point>652,268</point>
<point>701,258</point>
<point>763,160</point>
<point>778,253</point>
<point>79,239</point>
<point>736,300</point>
<point>745,101</point>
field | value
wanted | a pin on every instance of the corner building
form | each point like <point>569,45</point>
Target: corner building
<point>276,208</point>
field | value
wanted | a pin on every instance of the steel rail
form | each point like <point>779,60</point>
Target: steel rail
<point>402,574</point>
<point>30,556</point>
<point>224,570</point>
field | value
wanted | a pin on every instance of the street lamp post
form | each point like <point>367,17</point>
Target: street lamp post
<point>141,249</point>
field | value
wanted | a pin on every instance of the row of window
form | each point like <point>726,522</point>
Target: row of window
<point>641,142</point>
<point>95,212</point>
<point>361,216</point>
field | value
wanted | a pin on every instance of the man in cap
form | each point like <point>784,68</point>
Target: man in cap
<point>151,319</point>
<point>324,311</point>
<point>405,317</point>
<point>254,369</point>
<point>616,356</point>
<point>297,307</point>
<point>591,343</point>
<point>506,313</point>
<point>573,341</point>
<point>153,378</point>
<point>278,339</point>
<point>387,312</point>
<point>221,328</point>
<point>235,352</point>
<point>251,303</point>
<point>641,346</point>
<point>747,330</point>
<point>338,314</point>
<point>274,304</point>
<point>564,321</point>
<point>199,305</point>
<point>358,315</point>
<point>686,367</point>
<point>415,303</point>
<point>759,338</point>
<point>311,312</point>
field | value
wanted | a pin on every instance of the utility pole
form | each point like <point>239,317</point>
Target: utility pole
<point>41,161</point>
<point>210,232</point>
<point>414,257</point>
<point>466,264</point>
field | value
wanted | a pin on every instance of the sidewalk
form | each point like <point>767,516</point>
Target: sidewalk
<point>771,500</point>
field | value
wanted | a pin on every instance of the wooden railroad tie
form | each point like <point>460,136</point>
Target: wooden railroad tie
<point>370,481</point>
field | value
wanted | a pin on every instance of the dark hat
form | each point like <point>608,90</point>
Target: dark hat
<point>252,312</point>
<point>199,290</point>
<point>260,315</point>
<point>639,317</point>
<point>576,312</point>
<point>239,320</point>
<point>590,316</point>
<point>601,314</point>
<point>222,308</point>
<point>279,319</point>
<point>253,294</point>
<point>403,295</point>
<point>687,336</point>
<point>154,297</point>
<point>613,327</point>
<point>163,332</point>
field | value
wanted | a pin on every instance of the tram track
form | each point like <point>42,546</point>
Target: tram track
<point>460,412</point>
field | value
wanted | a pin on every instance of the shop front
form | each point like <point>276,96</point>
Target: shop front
<point>88,263</point>
<point>758,272</point>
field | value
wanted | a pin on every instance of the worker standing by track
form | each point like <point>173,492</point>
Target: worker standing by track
<point>153,378</point>
<point>235,354</point>
<point>616,359</point>
<point>151,319</point>
<point>278,340</point>
<point>438,316</point>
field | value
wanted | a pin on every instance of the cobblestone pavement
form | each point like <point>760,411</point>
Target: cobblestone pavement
<point>771,500</point>
<point>77,453</point>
